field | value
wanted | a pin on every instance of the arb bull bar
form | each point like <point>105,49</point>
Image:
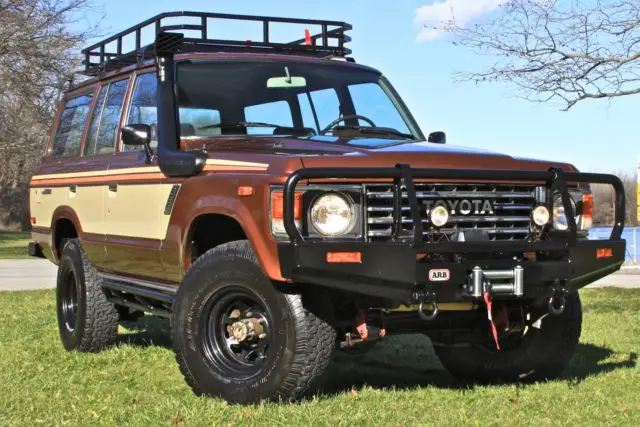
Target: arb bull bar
<point>399,269</point>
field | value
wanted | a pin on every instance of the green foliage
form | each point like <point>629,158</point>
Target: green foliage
<point>138,383</point>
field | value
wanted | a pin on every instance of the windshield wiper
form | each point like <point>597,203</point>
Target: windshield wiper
<point>241,125</point>
<point>294,131</point>
<point>376,130</point>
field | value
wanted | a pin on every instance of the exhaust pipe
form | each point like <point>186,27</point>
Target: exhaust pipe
<point>172,161</point>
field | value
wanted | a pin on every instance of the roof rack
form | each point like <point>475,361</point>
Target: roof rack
<point>108,54</point>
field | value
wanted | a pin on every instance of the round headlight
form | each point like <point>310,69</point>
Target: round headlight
<point>332,214</point>
<point>559,216</point>
<point>541,216</point>
<point>439,216</point>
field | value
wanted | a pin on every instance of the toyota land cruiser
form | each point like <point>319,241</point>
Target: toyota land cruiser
<point>278,201</point>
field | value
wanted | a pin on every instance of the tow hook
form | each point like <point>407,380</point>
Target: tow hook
<point>558,299</point>
<point>429,315</point>
<point>426,298</point>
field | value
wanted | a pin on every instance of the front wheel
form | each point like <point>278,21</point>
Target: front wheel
<point>541,352</point>
<point>239,338</point>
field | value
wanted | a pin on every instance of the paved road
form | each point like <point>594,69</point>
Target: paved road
<point>22,275</point>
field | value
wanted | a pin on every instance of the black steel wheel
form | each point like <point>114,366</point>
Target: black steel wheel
<point>237,331</point>
<point>237,337</point>
<point>69,299</point>
<point>87,321</point>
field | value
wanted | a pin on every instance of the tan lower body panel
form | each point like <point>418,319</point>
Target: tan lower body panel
<point>131,211</point>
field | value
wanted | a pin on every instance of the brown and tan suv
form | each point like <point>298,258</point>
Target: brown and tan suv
<point>277,201</point>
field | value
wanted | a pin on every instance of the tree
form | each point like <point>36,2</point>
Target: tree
<point>39,54</point>
<point>604,200</point>
<point>569,50</point>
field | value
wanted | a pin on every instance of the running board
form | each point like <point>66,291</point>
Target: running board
<point>151,297</point>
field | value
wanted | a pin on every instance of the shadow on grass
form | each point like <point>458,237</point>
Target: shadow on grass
<point>586,362</point>
<point>146,332</point>
<point>400,362</point>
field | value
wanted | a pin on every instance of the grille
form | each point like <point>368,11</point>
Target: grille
<point>507,217</point>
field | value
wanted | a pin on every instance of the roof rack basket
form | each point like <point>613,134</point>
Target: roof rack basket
<point>109,54</point>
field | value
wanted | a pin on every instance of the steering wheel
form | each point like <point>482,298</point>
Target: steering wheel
<point>344,118</point>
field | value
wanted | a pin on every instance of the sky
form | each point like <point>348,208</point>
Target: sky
<point>420,63</point>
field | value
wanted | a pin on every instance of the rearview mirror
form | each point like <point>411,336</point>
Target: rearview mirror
<point>437,137</point>
<point>287,82</point>
<point>136,134</point>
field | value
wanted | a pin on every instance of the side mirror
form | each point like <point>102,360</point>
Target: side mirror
<point>136,134</point>
<point>437,137</point>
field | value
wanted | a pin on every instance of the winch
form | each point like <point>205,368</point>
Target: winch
<point>497,282</point>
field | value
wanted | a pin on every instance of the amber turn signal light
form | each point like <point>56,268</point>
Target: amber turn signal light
<point>277,205</point>
<point>344,257</point>
<point>604,253</point>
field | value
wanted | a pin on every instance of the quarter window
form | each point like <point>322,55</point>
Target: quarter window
<point>69,133</point>
<point>102,135</point>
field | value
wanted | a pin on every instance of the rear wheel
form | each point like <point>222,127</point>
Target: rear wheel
<point>86,320</point>
<point>540,351</point>
<point>239,338</point>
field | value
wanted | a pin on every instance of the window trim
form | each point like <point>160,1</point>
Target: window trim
<point>90,91</point>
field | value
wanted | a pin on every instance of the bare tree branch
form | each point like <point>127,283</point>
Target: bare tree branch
<point>559,50</point>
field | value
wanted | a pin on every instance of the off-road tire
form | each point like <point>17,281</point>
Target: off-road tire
<point>543,354</point>
<point>95,324</point>
<point>296,360</point>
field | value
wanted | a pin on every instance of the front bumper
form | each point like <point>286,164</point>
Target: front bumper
<point>399,270</point>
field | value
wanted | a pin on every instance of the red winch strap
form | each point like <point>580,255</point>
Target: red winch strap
<point>494,330</point>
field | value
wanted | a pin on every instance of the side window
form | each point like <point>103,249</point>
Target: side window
<point>106,116</point>
<point>277,113</point>
<point>94,126</point>
<point>143,105</point>
<point>69,133</point>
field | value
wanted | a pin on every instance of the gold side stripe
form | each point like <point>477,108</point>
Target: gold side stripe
<point>149,169</point>
<point>222,162</point>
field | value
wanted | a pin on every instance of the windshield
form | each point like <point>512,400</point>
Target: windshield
<point>287,98</point>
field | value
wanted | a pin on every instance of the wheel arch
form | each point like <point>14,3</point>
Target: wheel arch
<point>64,225</point>
<point>231,210</point>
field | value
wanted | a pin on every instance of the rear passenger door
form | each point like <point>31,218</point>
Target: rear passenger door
<point>137,212</point>
<point>64,182</point>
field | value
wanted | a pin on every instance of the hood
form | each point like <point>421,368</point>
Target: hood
<point>324,151</point>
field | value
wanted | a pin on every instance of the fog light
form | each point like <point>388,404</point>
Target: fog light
<point>541,216</point>
<point>439,216</point>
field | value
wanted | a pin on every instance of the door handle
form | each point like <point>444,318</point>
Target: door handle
<point>113,188</point>
<point>46,192</point>
<point>73,188</point>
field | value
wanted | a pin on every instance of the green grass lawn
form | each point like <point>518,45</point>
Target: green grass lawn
<point>399,382</point>
<point>14,245</point>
